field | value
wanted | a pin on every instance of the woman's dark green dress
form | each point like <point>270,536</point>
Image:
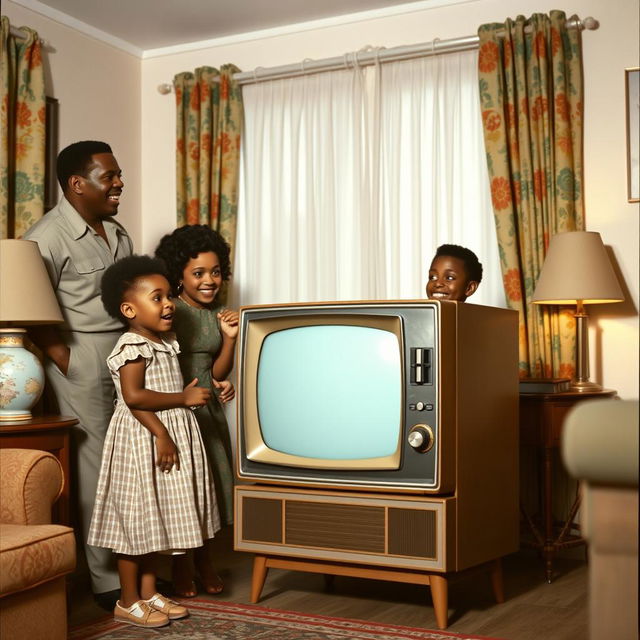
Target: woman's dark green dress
<point>200,339</point>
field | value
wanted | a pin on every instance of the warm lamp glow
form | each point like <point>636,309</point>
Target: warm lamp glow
<point>26,298</point>
<point>577,270</point>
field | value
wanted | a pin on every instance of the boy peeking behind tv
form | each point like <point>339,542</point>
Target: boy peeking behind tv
<point>455,273</point>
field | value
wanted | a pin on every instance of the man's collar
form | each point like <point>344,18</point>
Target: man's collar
<point>77,224</point>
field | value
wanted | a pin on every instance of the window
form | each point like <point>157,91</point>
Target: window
<point>351,179</point>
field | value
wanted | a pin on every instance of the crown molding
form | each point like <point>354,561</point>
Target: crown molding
<point>82,27</point>
<point>299,27</point>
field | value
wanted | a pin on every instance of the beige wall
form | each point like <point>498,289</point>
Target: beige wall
<point>607,51</point>
<point>98,88</point>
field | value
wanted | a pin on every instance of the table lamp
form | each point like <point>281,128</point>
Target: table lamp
<point>26,298</point>
<point>577,270</point>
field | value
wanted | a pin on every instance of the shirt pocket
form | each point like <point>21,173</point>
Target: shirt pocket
<point>90,265</point>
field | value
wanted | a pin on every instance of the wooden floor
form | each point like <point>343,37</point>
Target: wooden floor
<point>532,609</point>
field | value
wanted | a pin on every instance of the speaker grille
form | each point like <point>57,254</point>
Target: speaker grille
<point>412,532</point>
<point>335,526</point>
<point>261,519</point>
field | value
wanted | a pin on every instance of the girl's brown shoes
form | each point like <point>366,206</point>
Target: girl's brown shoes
<point>169,608</point>
<point>140,614</point>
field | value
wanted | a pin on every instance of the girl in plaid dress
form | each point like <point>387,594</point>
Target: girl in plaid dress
<point>155,492</point>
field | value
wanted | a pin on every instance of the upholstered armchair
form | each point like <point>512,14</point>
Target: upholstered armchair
<point>600,448</point>
<point>35,555</point>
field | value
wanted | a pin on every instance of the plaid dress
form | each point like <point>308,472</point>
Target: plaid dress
<point>139,509</point>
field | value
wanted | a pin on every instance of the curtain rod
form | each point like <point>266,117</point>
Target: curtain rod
<point>17,33</point>
<point>21,35</point>
<point>370,55</point>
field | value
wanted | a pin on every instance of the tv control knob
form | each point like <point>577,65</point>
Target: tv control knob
<point>421,437</point>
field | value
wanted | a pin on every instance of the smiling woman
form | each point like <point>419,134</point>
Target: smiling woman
<point>201,280</point>
<point>198,261</point>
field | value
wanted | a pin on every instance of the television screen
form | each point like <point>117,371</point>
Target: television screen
<point>327,385</point>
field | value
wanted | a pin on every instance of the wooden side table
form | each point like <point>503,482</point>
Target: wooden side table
<point>47,433</point>
<point>541,419</point>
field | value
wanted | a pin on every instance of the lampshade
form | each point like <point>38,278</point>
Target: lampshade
<point>26,297</point>
<point>26,294</point>
<point>577,268</point>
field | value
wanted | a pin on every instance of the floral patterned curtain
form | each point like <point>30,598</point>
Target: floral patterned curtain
<point>532,109</point>
<point>22,151</point>
<point>209,122</point>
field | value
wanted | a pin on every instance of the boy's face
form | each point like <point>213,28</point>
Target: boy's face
<point>448,280</point>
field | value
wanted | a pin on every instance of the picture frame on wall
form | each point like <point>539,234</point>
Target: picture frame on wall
<point>632,92</point>
<point>52,118</point>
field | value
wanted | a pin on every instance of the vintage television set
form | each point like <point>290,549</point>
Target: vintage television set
<point>377,434</point>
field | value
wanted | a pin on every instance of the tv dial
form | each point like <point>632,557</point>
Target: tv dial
<point>421,437</point>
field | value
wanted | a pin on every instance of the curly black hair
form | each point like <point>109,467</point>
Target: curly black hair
<point>75,159</point>
<point>471,263</point>
<point>121,276</point>
<point>185,243</point>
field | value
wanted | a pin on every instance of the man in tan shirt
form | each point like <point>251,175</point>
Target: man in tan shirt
<point>78,240</point>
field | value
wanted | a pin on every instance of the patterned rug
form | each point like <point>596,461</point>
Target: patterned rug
<point>228,621</point>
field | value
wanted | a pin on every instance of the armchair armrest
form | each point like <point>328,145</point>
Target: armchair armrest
<point>600,442</point>
<point>30,482</point>
<point>600,447</point>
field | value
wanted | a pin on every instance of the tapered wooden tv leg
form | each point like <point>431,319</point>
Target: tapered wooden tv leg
<point>440,597</point>
<point>329,581</point>
<point>258,577</point>
<point>496,580</point>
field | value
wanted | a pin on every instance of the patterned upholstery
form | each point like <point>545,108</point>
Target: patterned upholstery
<point>30,482</point>
<point>34,554</point>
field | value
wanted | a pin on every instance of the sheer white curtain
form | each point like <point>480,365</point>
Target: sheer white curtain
<point>434,187</point>
<point>351,179</point>
<point>305,191</point>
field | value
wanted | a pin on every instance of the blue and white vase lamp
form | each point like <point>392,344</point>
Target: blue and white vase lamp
<point>21,373</point>
<point>21,376</point>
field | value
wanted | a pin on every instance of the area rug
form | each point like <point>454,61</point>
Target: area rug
<point>229,621</point>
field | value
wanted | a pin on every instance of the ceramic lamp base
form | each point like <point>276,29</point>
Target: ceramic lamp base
<point>21,377</point>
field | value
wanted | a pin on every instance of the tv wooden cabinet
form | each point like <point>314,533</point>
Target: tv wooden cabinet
<point>433,512</point>
<point>401,538</point>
